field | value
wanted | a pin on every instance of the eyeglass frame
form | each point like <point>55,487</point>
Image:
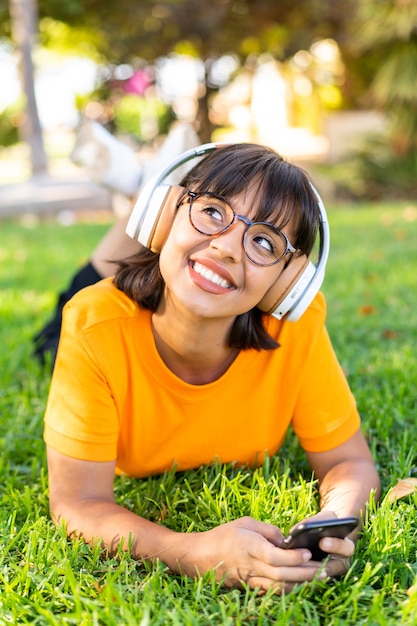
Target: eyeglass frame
<point>236,217</point>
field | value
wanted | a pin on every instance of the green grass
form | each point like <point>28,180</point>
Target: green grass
<point>372,317</point>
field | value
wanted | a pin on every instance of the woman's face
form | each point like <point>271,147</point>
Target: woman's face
<point>212,276</point>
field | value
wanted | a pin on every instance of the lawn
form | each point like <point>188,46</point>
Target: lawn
<point>372,318</point>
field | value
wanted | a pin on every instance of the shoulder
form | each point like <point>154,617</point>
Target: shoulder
<point>98,303</point>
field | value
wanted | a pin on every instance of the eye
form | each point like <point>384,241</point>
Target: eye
<point>213,211</point>
<point>265,242</point>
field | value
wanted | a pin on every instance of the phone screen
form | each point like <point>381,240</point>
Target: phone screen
<point>308,534</point>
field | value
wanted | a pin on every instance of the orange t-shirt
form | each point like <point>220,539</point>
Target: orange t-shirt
<point>113,398</point>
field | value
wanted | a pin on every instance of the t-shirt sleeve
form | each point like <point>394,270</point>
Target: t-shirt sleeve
<point>81,419</point>
<point>325,414</point>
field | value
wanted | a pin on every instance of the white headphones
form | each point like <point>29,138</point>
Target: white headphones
<point>153,214</point>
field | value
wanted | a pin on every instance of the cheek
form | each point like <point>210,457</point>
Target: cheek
<point>176,248</point>
<point>173,240</point>
<point>267,286</point>
<point>181,232</point>
<point>263,278</point>
<point>168,258</point>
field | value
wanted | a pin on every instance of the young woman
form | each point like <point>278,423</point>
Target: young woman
<point>176,363</point>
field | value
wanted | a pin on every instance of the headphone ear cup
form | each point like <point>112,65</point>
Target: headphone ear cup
<point>153,215</point>
<point>159,220</point>
<point>284,294</point>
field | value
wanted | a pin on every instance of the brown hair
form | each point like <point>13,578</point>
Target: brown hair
<point>286,194</point>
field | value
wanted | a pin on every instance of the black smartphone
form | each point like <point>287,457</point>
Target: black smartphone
<point>308,534</point>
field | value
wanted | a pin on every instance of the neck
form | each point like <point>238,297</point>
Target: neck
<point>194,349</point>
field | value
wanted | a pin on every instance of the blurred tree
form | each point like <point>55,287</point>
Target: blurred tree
<point>152,28</point>
<point>388,29</point>
<point>23,21</point>
<point>206,29</point>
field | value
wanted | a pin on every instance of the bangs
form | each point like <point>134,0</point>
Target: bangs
<point>283,189</point>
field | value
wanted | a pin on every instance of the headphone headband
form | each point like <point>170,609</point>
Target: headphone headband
<point>153,214</point>
<point>193,153</point>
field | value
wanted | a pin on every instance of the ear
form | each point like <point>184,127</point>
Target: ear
<point>287,290</point>
<point>153,216</point>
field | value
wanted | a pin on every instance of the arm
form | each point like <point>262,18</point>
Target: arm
<point>347,479</point>
<point>242,551</point>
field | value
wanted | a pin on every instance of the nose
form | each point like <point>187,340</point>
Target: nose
<point>230,243</point>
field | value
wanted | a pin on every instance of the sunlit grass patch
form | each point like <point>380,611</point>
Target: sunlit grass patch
<point>47,579</point>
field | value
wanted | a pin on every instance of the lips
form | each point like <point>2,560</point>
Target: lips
<point>211,276</point>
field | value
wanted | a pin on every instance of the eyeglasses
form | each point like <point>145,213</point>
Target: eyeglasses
<point>263,243</point>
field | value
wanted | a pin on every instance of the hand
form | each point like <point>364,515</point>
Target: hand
<point>244,551</point>
<point>340,550</point>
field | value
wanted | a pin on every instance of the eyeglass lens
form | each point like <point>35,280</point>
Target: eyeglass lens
<point>211,215</point>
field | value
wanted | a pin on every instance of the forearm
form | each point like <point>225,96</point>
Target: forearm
<point>242,551</point>
<point>81,495</point>
<point>347,487</point>
<point>98,521</point>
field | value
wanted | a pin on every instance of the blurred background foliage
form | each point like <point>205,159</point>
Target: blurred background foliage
<point>333,55</point>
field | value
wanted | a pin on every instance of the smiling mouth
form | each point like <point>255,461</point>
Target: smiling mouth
<point>211,276</point>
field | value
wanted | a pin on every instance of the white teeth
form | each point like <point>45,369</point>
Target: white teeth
<point>211,276</point>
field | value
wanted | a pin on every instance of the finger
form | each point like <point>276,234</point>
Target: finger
<point>341,547</point>
<point>336,566</point>
<point>265,584</point>
<point>317,517</point>
<point>292,575</point>
<point>263,551</point>
<point>269,531</point>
